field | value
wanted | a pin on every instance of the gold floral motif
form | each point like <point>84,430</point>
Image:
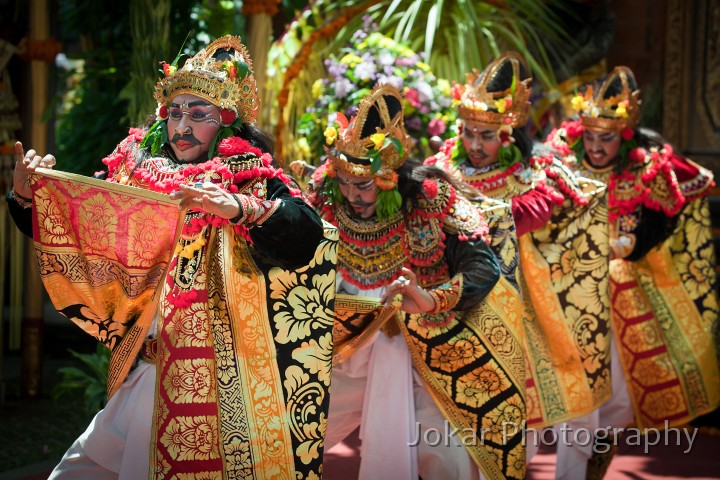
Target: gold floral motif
<point>302,303</point>
<point>504,420</point>
<point>53,215</point>
<point>516,462</point>
<point>316,357</point>
<point>477,387</point>
<point>592,294</point>
<point>237,455</point>
<point>198,476</point>
<point>143,244</point>
<point>664,403</point>
<point>191,438</point>
<point>189,327</point>
<point>458,352</point>
<point>498,334</point>
<point>98,226</point>
<point>190,381</point>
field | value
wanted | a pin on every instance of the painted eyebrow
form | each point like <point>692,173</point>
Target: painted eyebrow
<point>197,103</point>
<point>357,184</point>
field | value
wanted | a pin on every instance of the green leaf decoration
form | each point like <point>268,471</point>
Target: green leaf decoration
<point>398,145</point>
<point>155,137</point>
<point>388,203</point>
<point>242,70</point>
<point>375,162</point>
<point>508,156</point>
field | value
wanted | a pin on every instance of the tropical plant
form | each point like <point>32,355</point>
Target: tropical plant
<point>91,380</point>
<point>456,35</point>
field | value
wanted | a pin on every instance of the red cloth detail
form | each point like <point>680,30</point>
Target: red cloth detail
<point>684,171</point>
<point>532,210</point>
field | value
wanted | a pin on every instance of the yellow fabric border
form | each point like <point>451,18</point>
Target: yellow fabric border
<point>255,353</point>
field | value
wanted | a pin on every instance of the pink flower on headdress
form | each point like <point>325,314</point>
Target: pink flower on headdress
<point>637,155</point>
<point>504,134</point>
<point>627,133</point>
<point>227,116</point>
<point>574,130</point>
<point>430,188</point>
<point>162,112</point>
<point>168,69</point>
<point>436,127</point>
<point>457,90</point>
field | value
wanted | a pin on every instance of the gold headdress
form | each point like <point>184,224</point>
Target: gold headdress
<point>615,113</point>
<point>507,107</point>
<point>221,73</point>
<point>376,132</point>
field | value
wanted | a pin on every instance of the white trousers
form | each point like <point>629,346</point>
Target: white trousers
<point>116,444</point>
<point>573,454</point>
<point>403,432</point>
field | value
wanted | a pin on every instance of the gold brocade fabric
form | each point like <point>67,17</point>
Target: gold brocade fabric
<point>243,368</point>
<point>473,364</point>
<point>474,368</point>
<point>567,310</point>
<point>564,281</point>
<point>103,250</point>
<point>664,314</point>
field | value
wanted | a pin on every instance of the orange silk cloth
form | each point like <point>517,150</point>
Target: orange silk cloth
<point>103,250</point>
<point>665,314</point>
<point>567,310</point>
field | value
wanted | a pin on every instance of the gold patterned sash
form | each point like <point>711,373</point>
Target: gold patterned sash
<point>103,250</point>
<point>664,314</point>
<point>567,308</point>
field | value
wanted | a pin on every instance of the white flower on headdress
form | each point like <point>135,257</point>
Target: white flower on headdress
<point>480,106</point>
<point>595,112</point>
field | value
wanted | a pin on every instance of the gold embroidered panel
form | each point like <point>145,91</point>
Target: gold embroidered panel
<point>567,310</point>
<point>103,249</point>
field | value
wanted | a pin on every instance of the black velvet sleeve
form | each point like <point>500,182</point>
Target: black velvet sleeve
<point>292,233</point>
<point>21,216</point>
<point>654,228</point>
<point>479,268</point>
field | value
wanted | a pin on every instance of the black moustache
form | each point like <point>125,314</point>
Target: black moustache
<point>188,138</point>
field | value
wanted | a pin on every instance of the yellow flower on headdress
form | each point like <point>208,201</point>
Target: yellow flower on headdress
<point>621,110</point>
<point>378,140</point>
<point>331,134</point>
<point>503,104</point>
<point>578,103</point>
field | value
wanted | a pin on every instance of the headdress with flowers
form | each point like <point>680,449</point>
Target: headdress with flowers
<point>610,113</point>
<point>503,109</point>
<point>371,144</point>
<point>222,74</point>
<point>606,111</point>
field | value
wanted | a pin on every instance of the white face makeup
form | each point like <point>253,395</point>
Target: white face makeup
<point>192,125</point>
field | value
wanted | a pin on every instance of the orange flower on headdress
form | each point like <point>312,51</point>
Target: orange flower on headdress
<point>386,181</point>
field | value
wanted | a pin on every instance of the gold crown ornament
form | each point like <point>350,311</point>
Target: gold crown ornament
<point>611,114</point>
<point>377,151</point>
<point>221,73</point>
<point>507,107</point>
